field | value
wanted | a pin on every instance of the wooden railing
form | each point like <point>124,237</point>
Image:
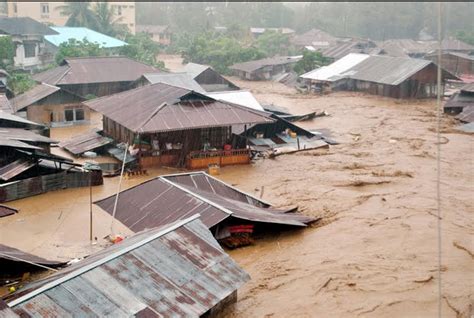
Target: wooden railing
<point>202,159</point>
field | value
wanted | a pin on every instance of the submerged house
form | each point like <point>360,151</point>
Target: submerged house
<point>28,37</point>
<point>208,78</point>
<point>108,43</point>
<point>225,210</point>
<point>458,63</point>
<point>394,77</point>
<point>90,77</point>
<point>173,126</point>
<point>462,104</point>
<point>175,270</point>
<point>50,105</point>
<point>265,69</point>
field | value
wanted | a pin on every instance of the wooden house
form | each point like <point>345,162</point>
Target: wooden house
<point>458,63</point>
<point>264,69</point>
<point>174,126</point>
<point>208,78</point>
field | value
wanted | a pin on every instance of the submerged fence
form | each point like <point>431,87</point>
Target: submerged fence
<point>63,180</point>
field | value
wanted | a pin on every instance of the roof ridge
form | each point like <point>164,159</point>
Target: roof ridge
<point>167,229</point>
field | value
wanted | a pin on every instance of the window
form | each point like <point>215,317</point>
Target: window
<point>44,8</point>
<point>74,114</point>
<point>15,8</point>
<point>30,49</point>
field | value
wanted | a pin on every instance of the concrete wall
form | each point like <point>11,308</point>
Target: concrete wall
<point>44,113</point>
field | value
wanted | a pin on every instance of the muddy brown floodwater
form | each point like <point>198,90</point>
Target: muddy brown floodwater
<point>375,253</point>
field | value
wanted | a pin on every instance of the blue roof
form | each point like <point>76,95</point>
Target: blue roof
<point>79,33</point>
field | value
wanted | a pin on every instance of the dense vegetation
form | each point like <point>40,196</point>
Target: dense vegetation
<point>310,61</point>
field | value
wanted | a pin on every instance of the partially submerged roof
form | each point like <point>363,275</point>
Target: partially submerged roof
<point>11,254</point>
<point>33,95</point>
<point>332,72</point>
<point>85,142</point>
<point>371,68</point>
<point>467,114</point>
<point>169,198</point>
<point>84,70</point>
<point>173,270</point>
<point>252,66</point>
<point>468,88</point>
<point>183,80</point>
<point>23,26</point>
<point>161,107</point>
<point>6,211</point>
<point>15,168</point>
<point>81,33</point>
<point>241,97</point>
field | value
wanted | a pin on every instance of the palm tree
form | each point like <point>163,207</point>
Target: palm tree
<point>80,14</point>
<point>105,19</point>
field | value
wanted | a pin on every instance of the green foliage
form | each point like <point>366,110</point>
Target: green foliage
<point>466,36</point>
<point>80,14</point>
<point>104,15</point>
<point>7,52</point>
<point>220,52</point>
<point>74,48</point>
<point>273,43</point>
<point>20,82</point>
<point>142,48</point>
<point>310,61</point>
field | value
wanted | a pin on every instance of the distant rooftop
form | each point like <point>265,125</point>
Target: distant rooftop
<point>79,34</point>
<point>23,26</point>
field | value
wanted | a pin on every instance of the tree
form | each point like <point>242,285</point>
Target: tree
<point>310,61</point>
<point>465,36</point>
<point>20,82</point>
<point>74,48</point>
<point>105,19</point>
<point>142,48</point>
<point>80,14</point>
<point>7,52</point>
<point>273,43</point>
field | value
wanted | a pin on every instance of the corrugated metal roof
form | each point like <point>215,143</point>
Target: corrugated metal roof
<point>5,311</point>
<point>33,95</point>
<point>469,88</point>
<point>81,33</point>
<point>194,69</point>
<point>15,255</point>
<point>183,80</point>
<point>252,66</point>
<point>5,105</point>
<point>405,47</point>
<point>177,270</point>
<point>467,114</point>
<point>6,211</point>
<point>333,71</point>
<point>161,107</point>
<point>341,49</point>
<point>241,97</point>
<point>23,135</point>
<point>314,37</point>
<point>4,116</point>
<point>85,142</point>
<point>453,44</point>
<point>169,198</point>
<point>84,70</point>
<point>16,144</point>
<point>14,168</point>
<point>460,100</point>
<point>23,26</point>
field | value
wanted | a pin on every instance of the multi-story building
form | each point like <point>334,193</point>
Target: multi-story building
<point>50,12</point>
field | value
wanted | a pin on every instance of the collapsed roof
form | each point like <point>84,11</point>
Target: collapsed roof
<point>174,197</point>
<point>174,270</point>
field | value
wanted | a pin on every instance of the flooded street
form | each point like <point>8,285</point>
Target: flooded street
<point>375,252</point>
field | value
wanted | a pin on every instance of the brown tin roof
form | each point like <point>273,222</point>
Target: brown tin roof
<point>85,142</point>
<point>161,107</point>
<point>33,95</point>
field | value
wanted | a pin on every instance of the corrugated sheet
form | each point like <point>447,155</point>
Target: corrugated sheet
<point>5,105</point>
<point>160,107</point>
<point>252,66</point>
<point>79,34</point>
<point>15,168</point>
<point>15,255</point>
<point>24,26</point>
<point>183,80</point>
<point>467,114</point>
<point>242,97</point>
<point>461,100</point>
<point>468,88</point>
<point>5,311</point>
<point>195,69</point>
<point>333,71</point>
<point>6,210</point>
<point>95,70</point>
<point>452,44</point>
<point>4,116</point>
<point>468,128</point>
<point>174,271</point>
<point>85,142</point>
<point>23,135</point>
<point>314,37</point>
<point>4,142</point>
<point>33,95</point>
<point>405,47</point>
<point>340,50</point>
<point>170,198</point>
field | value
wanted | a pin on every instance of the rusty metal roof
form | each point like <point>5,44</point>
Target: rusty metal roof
<point>5,105</point>
<point>14,255</point>
<point>88,70</point>
<point>195,69</point>
<point>23,135</point>
<point>314,37</point>
<point>405,47</point>
<point>161,107</point>
<point>169,198</point>
<point>33,95</point>
<point>14,168</point>
<point>6,211</point>
<point>183,80</point>
<point>85,142</point>
<point>252,66</point>
<point>177,270</point>
<point>6,119</point>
